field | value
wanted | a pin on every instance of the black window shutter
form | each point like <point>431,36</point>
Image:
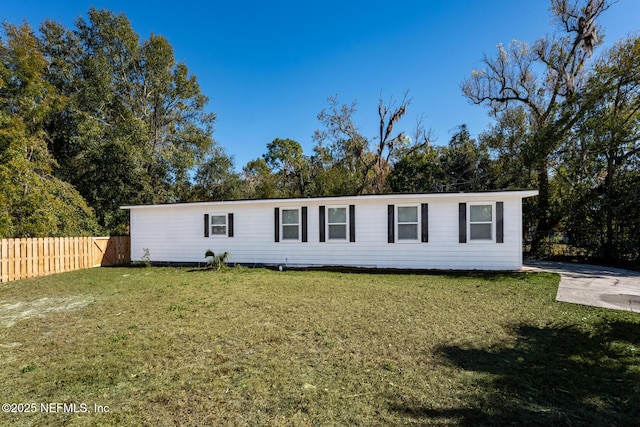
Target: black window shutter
<point>352,223</point>
<point>424,212</point>
<point>390,224</point>
<point>321,223</point>
<point>499,222</point>
<point>230,225</point>
<point>276,224</point>
<point>206,225</point>
<point>462,223</point>
<point>304,223</point>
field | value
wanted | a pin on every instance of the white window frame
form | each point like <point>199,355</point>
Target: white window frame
<point>492,222</point>
<point>398,223</point>
<point>226,225</point>
<point>283,225</point>
<point>328,223</point>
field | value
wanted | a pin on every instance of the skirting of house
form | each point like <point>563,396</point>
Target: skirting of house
<point>450,231</point>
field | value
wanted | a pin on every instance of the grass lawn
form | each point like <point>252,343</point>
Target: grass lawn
<point>170,346</point>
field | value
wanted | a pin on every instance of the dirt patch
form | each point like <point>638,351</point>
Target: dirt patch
<point>11,313</point>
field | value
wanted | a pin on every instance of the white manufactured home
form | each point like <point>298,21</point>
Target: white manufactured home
<point>452,231</point>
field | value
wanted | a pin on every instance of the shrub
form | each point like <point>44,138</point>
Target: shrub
<point>216,262</point>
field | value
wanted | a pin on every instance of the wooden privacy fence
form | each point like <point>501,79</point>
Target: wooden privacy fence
<point>26,258</point>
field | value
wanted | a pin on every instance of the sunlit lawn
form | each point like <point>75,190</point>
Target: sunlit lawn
<point>168,346</point>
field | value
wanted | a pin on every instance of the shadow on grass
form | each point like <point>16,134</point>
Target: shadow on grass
<point>491,275</point>
<point>550,376</point>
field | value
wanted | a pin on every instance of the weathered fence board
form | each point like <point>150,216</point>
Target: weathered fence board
<point>33,257</point>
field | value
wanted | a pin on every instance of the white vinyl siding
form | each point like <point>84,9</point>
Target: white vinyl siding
<point>173,233</point>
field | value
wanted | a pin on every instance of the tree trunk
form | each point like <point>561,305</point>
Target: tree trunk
<point>609,250</point>
<point>542,211</point>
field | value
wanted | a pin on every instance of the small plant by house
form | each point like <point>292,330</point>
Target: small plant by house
<point>215,262</point>
<point>146,257</point>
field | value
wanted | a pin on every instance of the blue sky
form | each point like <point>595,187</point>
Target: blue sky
<point>268,67</point>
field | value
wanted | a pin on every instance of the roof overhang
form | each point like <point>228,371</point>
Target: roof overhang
<point>467,195</point>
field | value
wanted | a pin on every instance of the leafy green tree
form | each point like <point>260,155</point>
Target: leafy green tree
<point>287,161</point>
<point>215,179</point>
<point>326,177</point>
<point>603,158</point>
<point>259,180</point>
<point>506,141</point>
<point>33,202</point>
<point>134,125</point>
<point>342,150</point>
<point>465,165</point>
<point>417,172</point>
<point>510,81</point>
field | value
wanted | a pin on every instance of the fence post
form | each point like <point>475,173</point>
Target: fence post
<point>16,259</point>
<point>45,256</point>
<point>87,254</point>
<point>4,260</point>
<point>28,246</point>
<point>12,258</point>
<point>83,252</point>
<point>56,252</point>
<point>72,253</point>
<point>76,244</point>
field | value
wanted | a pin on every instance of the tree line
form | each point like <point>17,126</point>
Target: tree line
<point>94,117</point>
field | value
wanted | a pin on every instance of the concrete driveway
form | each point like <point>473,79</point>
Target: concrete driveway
<point>593,285</point>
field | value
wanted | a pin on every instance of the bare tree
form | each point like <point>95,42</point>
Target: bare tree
<point>509,81</point>
<point>367,160</point>
<point>387,143</point>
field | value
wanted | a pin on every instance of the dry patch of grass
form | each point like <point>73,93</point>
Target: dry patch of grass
<point>12,313</point>
<point>167,346</point>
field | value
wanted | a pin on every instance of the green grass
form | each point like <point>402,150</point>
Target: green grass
<point>168,346</point>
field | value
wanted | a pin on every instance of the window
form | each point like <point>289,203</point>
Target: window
<point>337,223</point>
<point>290,224</point>
<point>218,225</point>
<point>408,223</point>
<point>481,222</point>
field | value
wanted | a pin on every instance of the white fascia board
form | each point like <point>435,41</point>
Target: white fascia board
<point>461,195</point>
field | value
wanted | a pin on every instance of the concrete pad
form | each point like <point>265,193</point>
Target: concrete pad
<point>593,285</point>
